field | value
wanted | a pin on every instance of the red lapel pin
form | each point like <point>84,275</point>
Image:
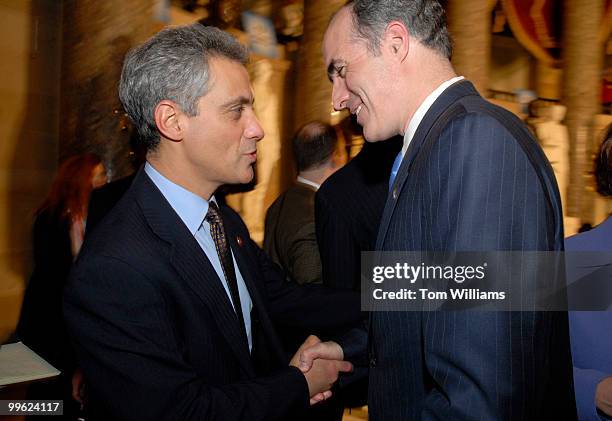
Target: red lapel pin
<point>239,240</point>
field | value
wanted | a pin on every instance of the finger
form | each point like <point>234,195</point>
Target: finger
<point>320,397</point>
<point>307,357</point>
<point>311,340</point>
<point>344,366</point>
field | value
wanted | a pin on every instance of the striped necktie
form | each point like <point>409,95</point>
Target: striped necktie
<point>217,231</point>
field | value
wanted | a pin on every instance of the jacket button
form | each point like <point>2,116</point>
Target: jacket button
<point>372,362</point>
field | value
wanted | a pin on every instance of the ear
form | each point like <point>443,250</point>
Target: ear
<point>397,40</point>
<point>169,120</point>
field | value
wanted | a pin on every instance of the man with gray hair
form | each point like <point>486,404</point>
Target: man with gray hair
<point>170,305</point>
<point>469,177</point>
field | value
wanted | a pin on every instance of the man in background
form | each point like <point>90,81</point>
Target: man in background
<point>290,238</point>
<point>348,208</point>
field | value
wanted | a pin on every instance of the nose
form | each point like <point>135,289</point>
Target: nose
<point>340,94</point>
<point>254,131</point>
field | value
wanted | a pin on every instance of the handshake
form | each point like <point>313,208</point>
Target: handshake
<point>320,362</point>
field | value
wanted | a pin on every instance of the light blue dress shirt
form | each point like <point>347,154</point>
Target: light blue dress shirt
<point>192,209</point>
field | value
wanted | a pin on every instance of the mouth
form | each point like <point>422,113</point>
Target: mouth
<point>357,110</point>
<point>252,155</point>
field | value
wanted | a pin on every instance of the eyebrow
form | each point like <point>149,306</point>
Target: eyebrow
<point>332,69</point>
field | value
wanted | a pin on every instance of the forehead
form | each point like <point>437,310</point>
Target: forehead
<point>228,77</point>
<point>338,40</point>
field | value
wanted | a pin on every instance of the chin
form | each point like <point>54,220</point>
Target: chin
<point>374,135</point>
<point>371,136</point>
<point>247,176</point>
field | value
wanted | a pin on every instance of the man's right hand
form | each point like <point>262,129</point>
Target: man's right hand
<point>603,396</point>
<point>322,374</point>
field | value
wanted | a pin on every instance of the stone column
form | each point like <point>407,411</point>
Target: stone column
<point>583,57</point>
<point>313,93</point>
<point>96,36</point>
<point>548,81</point>
<point>268,78</point>
<point>470,26</point>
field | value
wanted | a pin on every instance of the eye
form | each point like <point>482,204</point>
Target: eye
<point>341,71</point>
<point>237,111</point>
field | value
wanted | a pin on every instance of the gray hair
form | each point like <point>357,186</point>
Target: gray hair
<point>172,65</point>
<point>425,20</point>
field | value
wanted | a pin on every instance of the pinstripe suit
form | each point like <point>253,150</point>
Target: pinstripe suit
<point>156,335</point>
<point>473,179</point>
<point>348,207</point>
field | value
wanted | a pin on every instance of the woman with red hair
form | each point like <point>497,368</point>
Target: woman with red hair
<point>58,234</point>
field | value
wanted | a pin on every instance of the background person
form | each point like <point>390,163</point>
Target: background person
<point>58,235</point>
<point>590,330</point>
<point>290,238</point>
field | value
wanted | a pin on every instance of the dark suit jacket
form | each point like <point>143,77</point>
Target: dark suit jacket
<point>473,179</point>
<point>104,198</point>
<point>155,332</point>
<point>348,208</point>
<point>290,234</point>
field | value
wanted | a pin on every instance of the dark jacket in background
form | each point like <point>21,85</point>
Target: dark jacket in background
<point>103,199</point>
<point>290,238</point>
<point>41,324</point>
<point>348,208</point>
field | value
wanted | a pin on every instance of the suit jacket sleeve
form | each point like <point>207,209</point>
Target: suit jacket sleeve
<point>488,198</point>
<point>315,308</point>
<point>125,336</point>
<point>340,256</point>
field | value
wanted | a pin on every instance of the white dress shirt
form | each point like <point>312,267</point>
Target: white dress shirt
<point>416,119</point>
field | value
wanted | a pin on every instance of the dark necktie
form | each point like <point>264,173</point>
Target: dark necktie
<point>217,231</point>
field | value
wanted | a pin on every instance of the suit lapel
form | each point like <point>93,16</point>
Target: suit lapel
<point>193,266</point>
<point>441,104</point>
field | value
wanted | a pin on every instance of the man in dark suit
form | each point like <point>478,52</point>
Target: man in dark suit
<point>470,177</point>
<point>348,208</point>
<point>170,304</point>
<point>290,238</point>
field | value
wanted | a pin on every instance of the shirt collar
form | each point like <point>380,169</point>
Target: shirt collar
<point>416,119</point>
<point>190,207</point>
<point>312,184</point>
